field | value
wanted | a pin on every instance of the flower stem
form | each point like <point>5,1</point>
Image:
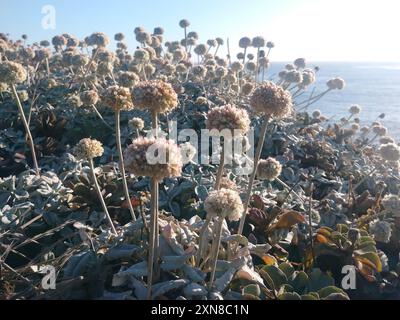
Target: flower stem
<point>253,175</point>
<point>101,117</point>
<point>215,251</point>
<point>154,229</point>
<point>28,131</point>
<point>122,164</point>
<point>103,204</point>
<point>220,170</point>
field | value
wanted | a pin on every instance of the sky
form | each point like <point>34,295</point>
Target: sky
<point>318,30</point>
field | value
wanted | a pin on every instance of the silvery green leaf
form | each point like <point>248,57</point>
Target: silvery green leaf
<point>174,262</point>
<point>137,270</point>
<point>193,290</point>
<point>202,192</point>
<point>242,240</point>
<point>51,218</point>
<point>193,274</point>
<point>216,296</point>
<point>164,287</point>
<point>175,209</point>
<point>78,264</point>
<point>223,282</point>
<point>140,291</point>
<point>124,251</point>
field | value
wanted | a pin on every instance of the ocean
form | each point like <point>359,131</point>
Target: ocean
<point>373,86</point>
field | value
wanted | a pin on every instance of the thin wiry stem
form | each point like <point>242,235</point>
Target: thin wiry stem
<point>101,117</point>
<point>253,175</point>
<point>28,131</point>
<point>122,164</point>
<point>220,169</point>
<point>154,228</point>
<point>203,230</point>
<point>101,199</point>
<point>215,251</point>
<point>152,236</point>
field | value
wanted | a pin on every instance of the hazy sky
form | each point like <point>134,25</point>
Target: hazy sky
<point>319,30</point>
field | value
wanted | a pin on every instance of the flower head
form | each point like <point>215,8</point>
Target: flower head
<point>155,96</point>
<point>271,100</point>
<point>228,117</point>
<point>156,158</point>
<point>224,203</point>
<point>98,39</point>
<point>391,203</point>
<point>390,152</point>
<point>381,230</point>
<point>88,149</point>
<point>269,169</point>
<point>118,98</point>
<point>136,123</point>
<point>355,109</point>
<point>12,72</point>
<point>336,84</point>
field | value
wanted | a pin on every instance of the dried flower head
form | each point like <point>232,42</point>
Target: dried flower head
<point>244,42</point>
<point>386,140</point>
<point>236,66</point>
<point>200,49</point>
<point>155,96</point>
<point>316,114</point>
<point>224,203</point>
<point>269,169</point>
<point>247,88</point>
<point>258,42</point>
<point>89,97</point>
<point>300,63</point>
<point>336,84</point>
<point>98,39</point>
<point>391,203</point>
<point>201,101</point>
<point>118,98</point>
<point>227,183</point>
<point>88,149</point>
<point>127,79</point>
<point>381,230</point>
<point>119,36</point>
<point>390,152</point>
<point>184,23</point>
<point>156,158</point>
<point>136,123</point>
<point>271,100</point>
<point>12,73</point>
<point>228,117</point>
<point>294,76</point>
<point>356,109</point>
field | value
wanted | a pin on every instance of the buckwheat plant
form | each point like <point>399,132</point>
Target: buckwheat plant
<point>88,149</point>
<point>119,98</point>
<point>12,73</point>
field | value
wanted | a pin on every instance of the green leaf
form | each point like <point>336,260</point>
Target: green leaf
<point>252,289</point>
<point>309,297</point>
<point>323,293</point>
<point>289,296</point>
<point>319,280</point>
<point>371,259</point>
<point>342,228</point>
<point>287,268</point>
<point>300,281</point>
<point>274,277</point>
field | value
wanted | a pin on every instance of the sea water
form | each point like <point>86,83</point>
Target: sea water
<point>373,86</point>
